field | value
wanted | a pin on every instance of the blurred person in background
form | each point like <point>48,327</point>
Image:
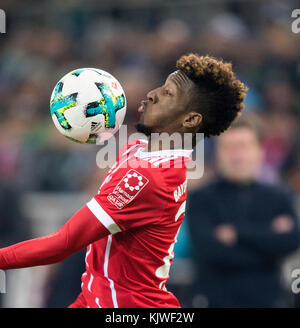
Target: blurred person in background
<point>290,172</point>
<point>13,225</point>
<point>241,229</point>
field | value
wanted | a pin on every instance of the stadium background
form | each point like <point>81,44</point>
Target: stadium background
<point>44,177</point>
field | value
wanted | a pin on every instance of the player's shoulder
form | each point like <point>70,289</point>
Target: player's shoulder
<point>131,145</point>
<point>164,168</point>
<point>132,163</point>
<point>167,167</point>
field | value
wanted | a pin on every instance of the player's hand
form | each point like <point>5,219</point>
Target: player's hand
<point>282,224</point>
<point>226,234</point>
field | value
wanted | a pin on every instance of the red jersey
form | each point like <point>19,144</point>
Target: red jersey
<point>142,203</point>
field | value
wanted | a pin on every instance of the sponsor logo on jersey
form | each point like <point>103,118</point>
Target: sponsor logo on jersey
<point>128,188</point>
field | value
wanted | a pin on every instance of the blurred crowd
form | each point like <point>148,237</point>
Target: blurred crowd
<point>139,42</point>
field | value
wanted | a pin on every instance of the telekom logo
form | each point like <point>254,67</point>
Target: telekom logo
<point>2,21</point>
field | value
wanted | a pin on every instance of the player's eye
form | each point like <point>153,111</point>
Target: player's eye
<point>168,92</point>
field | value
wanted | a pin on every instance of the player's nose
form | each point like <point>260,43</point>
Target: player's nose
<point>152,96</point>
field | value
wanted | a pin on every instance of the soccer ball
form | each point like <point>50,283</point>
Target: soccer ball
<point>88,105</point>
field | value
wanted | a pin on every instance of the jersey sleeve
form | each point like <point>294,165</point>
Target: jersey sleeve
<point>130,198</point>
<point>81,230</point>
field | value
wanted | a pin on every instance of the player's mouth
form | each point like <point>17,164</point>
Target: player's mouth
<point>142,107</point>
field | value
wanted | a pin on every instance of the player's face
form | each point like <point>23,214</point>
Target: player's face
<point>239,154</point>
<point>166,106</point>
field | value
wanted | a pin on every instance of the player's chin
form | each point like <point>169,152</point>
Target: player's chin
<point>142,128</point>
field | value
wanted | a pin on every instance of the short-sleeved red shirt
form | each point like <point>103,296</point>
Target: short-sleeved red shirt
<point>142,203</point>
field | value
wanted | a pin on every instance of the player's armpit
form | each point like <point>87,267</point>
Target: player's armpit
<point>81,230</point>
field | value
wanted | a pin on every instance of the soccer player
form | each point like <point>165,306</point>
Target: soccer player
<point>130,226</point>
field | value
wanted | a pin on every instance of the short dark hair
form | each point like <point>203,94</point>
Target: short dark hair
<point>217,95</point>
<point>250,121</point>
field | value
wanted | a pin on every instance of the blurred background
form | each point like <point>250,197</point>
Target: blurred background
<point>45,178</point>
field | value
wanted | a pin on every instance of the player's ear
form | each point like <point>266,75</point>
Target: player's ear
<point>192,120</point>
